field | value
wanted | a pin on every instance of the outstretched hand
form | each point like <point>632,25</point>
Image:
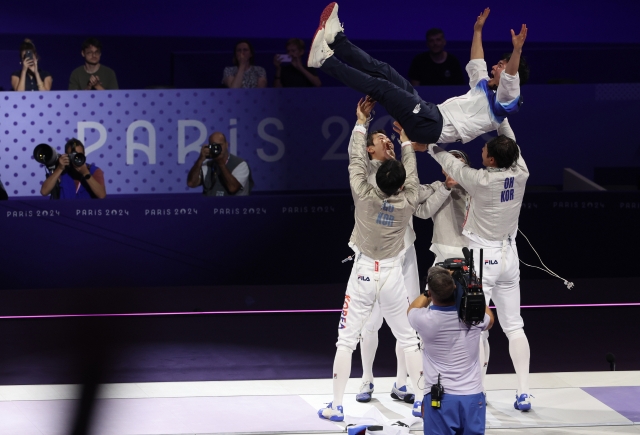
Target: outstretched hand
<point>398,129</point>
<point>481,19</point>
<point>518,40</point>
<point>364,108</point>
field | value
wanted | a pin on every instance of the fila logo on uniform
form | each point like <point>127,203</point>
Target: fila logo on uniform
<point>490,262</point>
<point>363,278</point>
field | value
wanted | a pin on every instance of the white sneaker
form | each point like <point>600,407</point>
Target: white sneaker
<point>319,51</point>
<point>329,413</point>
<point>331,22</point>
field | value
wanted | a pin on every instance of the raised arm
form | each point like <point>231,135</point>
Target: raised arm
<point>431,198</point>
<point>518,42</point>
<point>476,44</point>
<point>363,116</point>
<point>358,159</point>
<point>411,183</point>
<point>467,177</point>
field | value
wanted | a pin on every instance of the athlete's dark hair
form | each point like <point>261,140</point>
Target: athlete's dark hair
<point>523,68</point>
<point>460,153</point>
<point>251,50</point>
<point>440,284</point>
<point>433,32</point>
<point>91,41</point>
<point>72,143</point>
<point>504,150</point>
<point>390,176</point>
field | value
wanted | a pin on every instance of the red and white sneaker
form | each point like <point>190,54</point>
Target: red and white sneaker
<point>329,20</point>
<point>319,51</point>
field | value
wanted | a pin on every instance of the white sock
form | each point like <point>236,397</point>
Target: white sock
<point>368,347</point>
<point>520,354</point>
<point>484,354</point>
<point>413,357</point>
<point>341,373</point>
<point>401,371</point>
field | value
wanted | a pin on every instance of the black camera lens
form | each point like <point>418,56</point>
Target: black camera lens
<point>45,155</point>
<point>77,159</point>
<point>215,149</point>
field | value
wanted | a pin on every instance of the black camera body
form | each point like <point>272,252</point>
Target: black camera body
<point>470,302</point>
<point>215,149</point>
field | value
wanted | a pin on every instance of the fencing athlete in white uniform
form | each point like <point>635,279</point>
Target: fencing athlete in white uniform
<point>463,118</point>
<point>382,214</point>
<point>377,143</point>
<point>491,224</point>
<point>448,237</point>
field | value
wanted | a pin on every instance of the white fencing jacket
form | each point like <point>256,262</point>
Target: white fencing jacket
<point>480,110</point>
<point>496,194</point>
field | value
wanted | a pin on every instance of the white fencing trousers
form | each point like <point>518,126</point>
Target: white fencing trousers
<point>501,281</point>
<point>412,286</point>
<point>373,283</point>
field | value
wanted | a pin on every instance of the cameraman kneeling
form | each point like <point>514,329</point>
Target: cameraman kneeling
<point>450,358</point>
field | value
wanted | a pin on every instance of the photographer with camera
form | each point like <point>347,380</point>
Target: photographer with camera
<point>219,172</point>
<point>73,178</point>
<point>30,78</point>
<point>454,401</point>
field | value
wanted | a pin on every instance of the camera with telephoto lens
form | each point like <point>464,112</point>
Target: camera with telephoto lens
<point>47,156</point>
<point>470,302</point>
<point>215,149</point>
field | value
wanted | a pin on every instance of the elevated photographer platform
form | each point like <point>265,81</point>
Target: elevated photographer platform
<point>567,403</point>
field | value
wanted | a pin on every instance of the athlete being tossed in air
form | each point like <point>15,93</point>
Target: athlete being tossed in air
<point>462,118</point>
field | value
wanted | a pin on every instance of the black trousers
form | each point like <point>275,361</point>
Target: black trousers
<point>383,83</point>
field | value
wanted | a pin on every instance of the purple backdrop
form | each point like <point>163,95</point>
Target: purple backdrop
<point>548,20</point>
<point>293,139</point>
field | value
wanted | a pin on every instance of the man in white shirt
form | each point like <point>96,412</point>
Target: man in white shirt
<point>450,358</point>
<point>462,118</point>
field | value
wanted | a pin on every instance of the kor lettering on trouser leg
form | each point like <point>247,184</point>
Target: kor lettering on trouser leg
<point>345,311</point>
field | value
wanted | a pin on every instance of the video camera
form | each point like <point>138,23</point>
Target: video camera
<point>470,301</point>
<point>47,156</point>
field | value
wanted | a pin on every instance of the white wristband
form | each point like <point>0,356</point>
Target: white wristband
<point>360,129</point>
<point>407,143</point>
